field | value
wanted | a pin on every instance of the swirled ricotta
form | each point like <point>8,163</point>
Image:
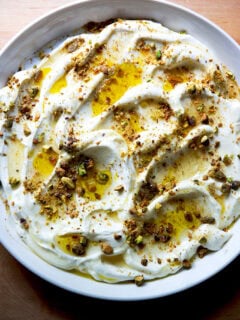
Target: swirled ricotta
<point>120,152</point>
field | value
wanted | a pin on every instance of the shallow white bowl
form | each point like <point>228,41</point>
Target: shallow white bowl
<point>61,22</point>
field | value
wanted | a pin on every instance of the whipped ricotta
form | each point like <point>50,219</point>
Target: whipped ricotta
<point>120,152</point>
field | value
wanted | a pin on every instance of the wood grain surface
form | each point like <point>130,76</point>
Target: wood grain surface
<point>25,296</point>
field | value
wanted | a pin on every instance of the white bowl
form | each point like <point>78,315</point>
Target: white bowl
<point>61,22</point>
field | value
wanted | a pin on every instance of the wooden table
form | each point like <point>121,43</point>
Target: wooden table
<point>25,296</point>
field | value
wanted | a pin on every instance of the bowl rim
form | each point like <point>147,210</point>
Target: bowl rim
<point>77,2</point>
<point>41,272</point>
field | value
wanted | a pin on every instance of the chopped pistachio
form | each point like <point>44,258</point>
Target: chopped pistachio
<point>117,236</point>
<point>158,206</point>
<point>106,248</point>
<point>217,174</point>
<point>26,129</point>
<point>133,210</point>
<point>204,139</point>
<point>72,46</point>
<point>67,182</point>
<point>89,163</point>
<point>80,191</point>
<point>8,123</point>
<point>192,89</point>
<point>182,31</point>
<point>191,121</point>
<point>91,186</point>
<point>78,249</point>
<point>144,262</point>
<point>186,264</point>
<point>158,54</point>
<point>209,220</point>
<point>230,75</point>
<point>102,178</point>
<point>203,240</point>
<point>14,182</point>
<point>24,223</point>
<point>205,119</point>
<point>227,160</point>
<point>33,92</point>
<point>57,113</point>
<point>139,280</point>
<point>188,216</point>
<point>11,105</point>
<point>83,241</point>
<point>215,130</point>
<point>119,188</point>
<point>46,148</point>
<point>38,75</point>
<point>200,108</point>
<point>201,251</point>
<point>82,170</point>
<point>226,188</point>
<point>235,185</point>
<point>139,239</point>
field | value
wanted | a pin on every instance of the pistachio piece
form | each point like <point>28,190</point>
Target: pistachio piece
<point>235,185</point>
<point>117,236</point>
<point>192,89</point>
<point>38,75</point>
<point>106,248</point>
<point>158,206</point>
<point>72,46</point>
<point>226,188</point>
<point>230,75</point>
<point>158,54</point>
<point>227,160</point>
<point>139,280</point>
<point>89,163</point>
<point>24,223</point>
<point>14,182</point>
<point>203,240</point>
<point>205,119</point>
<point>26,129</point>
<point>67,182</point>
<point>139,239</point>
<point>144,262</point>
<point>46,148</point>
<point>33,92</point>
<point>191,121</point>
<point>78,249</point>
<point>201,251</point>
<point>83,241</point>
<point>209,220</point>
<point>186,264</point>
<point>57,113</point>
<point>188,216</point>
<point>217,174</point>
<point>82,170</point>
<point>8,123</point>
<point>205,141</point>
<point>102,177</point>
<point>119,188</point>
<point>80,191</point>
